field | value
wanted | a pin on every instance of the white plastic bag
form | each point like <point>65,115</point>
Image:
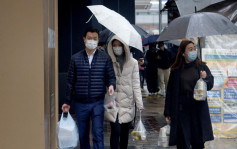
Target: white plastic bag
<point>110,103</point>
<point>139,132</point>
<point>163,139</point>
<point>67,132</point>
<point>200,90</point>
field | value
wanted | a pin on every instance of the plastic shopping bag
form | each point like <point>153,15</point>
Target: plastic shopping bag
<point>163,139</point>
<point>110,103</point>
<point>200,90</point>
<point>67,132</point>
<point>139,132</point>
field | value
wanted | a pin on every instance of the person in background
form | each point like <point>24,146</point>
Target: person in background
<point>151,69</point>
<point>127,93</point>
<point>102,46</point>
<point>163,63</point>
<point>139,56</point>
<point>90,72</point>
<point>190,119</point>
<point>142,67</point>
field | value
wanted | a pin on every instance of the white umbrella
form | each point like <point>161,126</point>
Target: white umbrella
<point>117,24</point>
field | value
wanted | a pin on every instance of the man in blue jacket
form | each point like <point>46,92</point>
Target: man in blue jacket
<point>90,72</point>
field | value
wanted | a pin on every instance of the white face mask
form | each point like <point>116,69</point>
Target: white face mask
<point>118,50</point>
<point>91,44</point>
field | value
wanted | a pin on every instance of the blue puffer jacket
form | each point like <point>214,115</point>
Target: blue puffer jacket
<point>88,85</point>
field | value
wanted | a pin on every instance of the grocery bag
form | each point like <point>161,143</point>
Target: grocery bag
<point>67,132</point>
<point>110,103</point>
<point>200,90</point>
<point>139,132</point>
<point>163,139</point>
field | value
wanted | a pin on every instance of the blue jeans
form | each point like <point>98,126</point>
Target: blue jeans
<point>95,112</point>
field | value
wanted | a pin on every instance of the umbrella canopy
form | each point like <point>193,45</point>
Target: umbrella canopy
<point>117,24</point>
<point>226,8</point>
<point>150,39</point>
<point>187,6</point>
<point>106,34</point>
<point>197,25</point>
<point>178,41</point>
<point>140,31</point>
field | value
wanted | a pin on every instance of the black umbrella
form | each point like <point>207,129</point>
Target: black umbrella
<point>226,8</point>
<point>140,31</point>
<point>150,39</point>
<point>104,35</point>
<point>198,25</point>
<point>186,6</point>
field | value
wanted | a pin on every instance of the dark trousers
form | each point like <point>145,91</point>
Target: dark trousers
<point>119,135</point>
<point>142,77</point>
<point>95,112</point>
<point>181,143</point>
<point>189,127</point>
<point>152,79</point>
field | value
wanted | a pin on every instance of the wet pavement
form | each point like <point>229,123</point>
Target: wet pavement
<point>153,120</point>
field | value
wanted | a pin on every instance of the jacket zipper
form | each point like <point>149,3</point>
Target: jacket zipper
<point>89,83</point>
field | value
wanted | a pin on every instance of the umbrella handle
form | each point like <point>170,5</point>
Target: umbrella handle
<point>200,48</point>
<point>90,18</point>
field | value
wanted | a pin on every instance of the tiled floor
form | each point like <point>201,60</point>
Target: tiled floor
<point>153,120</point>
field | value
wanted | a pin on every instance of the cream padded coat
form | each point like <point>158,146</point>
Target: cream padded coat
<point>127,86</point>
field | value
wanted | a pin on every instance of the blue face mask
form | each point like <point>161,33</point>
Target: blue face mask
<point>192,56</point>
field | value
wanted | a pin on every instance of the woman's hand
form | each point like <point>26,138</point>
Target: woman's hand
<point>111,90</point>
<point>203,74</point>
<point>65,108</point>
<point>167,119</point>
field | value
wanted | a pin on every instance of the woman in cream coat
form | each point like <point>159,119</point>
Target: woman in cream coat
<point>127,92</point>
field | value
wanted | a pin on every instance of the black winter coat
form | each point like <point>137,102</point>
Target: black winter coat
<point>165,59</point>
<point>88,85</point>
<point>171,106</point>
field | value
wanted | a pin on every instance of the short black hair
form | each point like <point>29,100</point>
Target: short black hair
<point>91,29</point>
<point>160,44</point>
<point>101,43</point>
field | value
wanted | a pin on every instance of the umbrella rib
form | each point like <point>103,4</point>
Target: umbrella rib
<point>188,27</point>
<point>90,18</point>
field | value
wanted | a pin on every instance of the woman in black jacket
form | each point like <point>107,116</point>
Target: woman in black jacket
<point>190,119</point>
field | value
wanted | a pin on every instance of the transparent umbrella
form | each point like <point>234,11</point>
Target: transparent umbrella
<point>198,25</point>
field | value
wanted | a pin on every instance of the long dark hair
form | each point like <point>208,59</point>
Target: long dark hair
<point>179,61</point>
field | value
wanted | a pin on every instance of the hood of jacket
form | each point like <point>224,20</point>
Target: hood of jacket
<point>111,52</point>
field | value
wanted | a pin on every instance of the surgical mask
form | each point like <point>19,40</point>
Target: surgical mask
<point>91,44</point>
<point>192,56</point>
<point>118,50</point>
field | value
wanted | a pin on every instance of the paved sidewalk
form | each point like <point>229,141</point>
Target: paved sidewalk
<point>153,120</point>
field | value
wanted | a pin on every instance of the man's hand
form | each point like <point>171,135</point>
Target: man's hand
<point>167,119</point>
<point>65,108</point>
<point>111,90</point>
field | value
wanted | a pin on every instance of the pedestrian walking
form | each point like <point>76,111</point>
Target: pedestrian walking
<point>127,93</point>
<point>142,67</point>
<point>90,72</point>
<point>151,69</point>
<point>139,56</point>
<point>190,119</point>
<point>163,64</point>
